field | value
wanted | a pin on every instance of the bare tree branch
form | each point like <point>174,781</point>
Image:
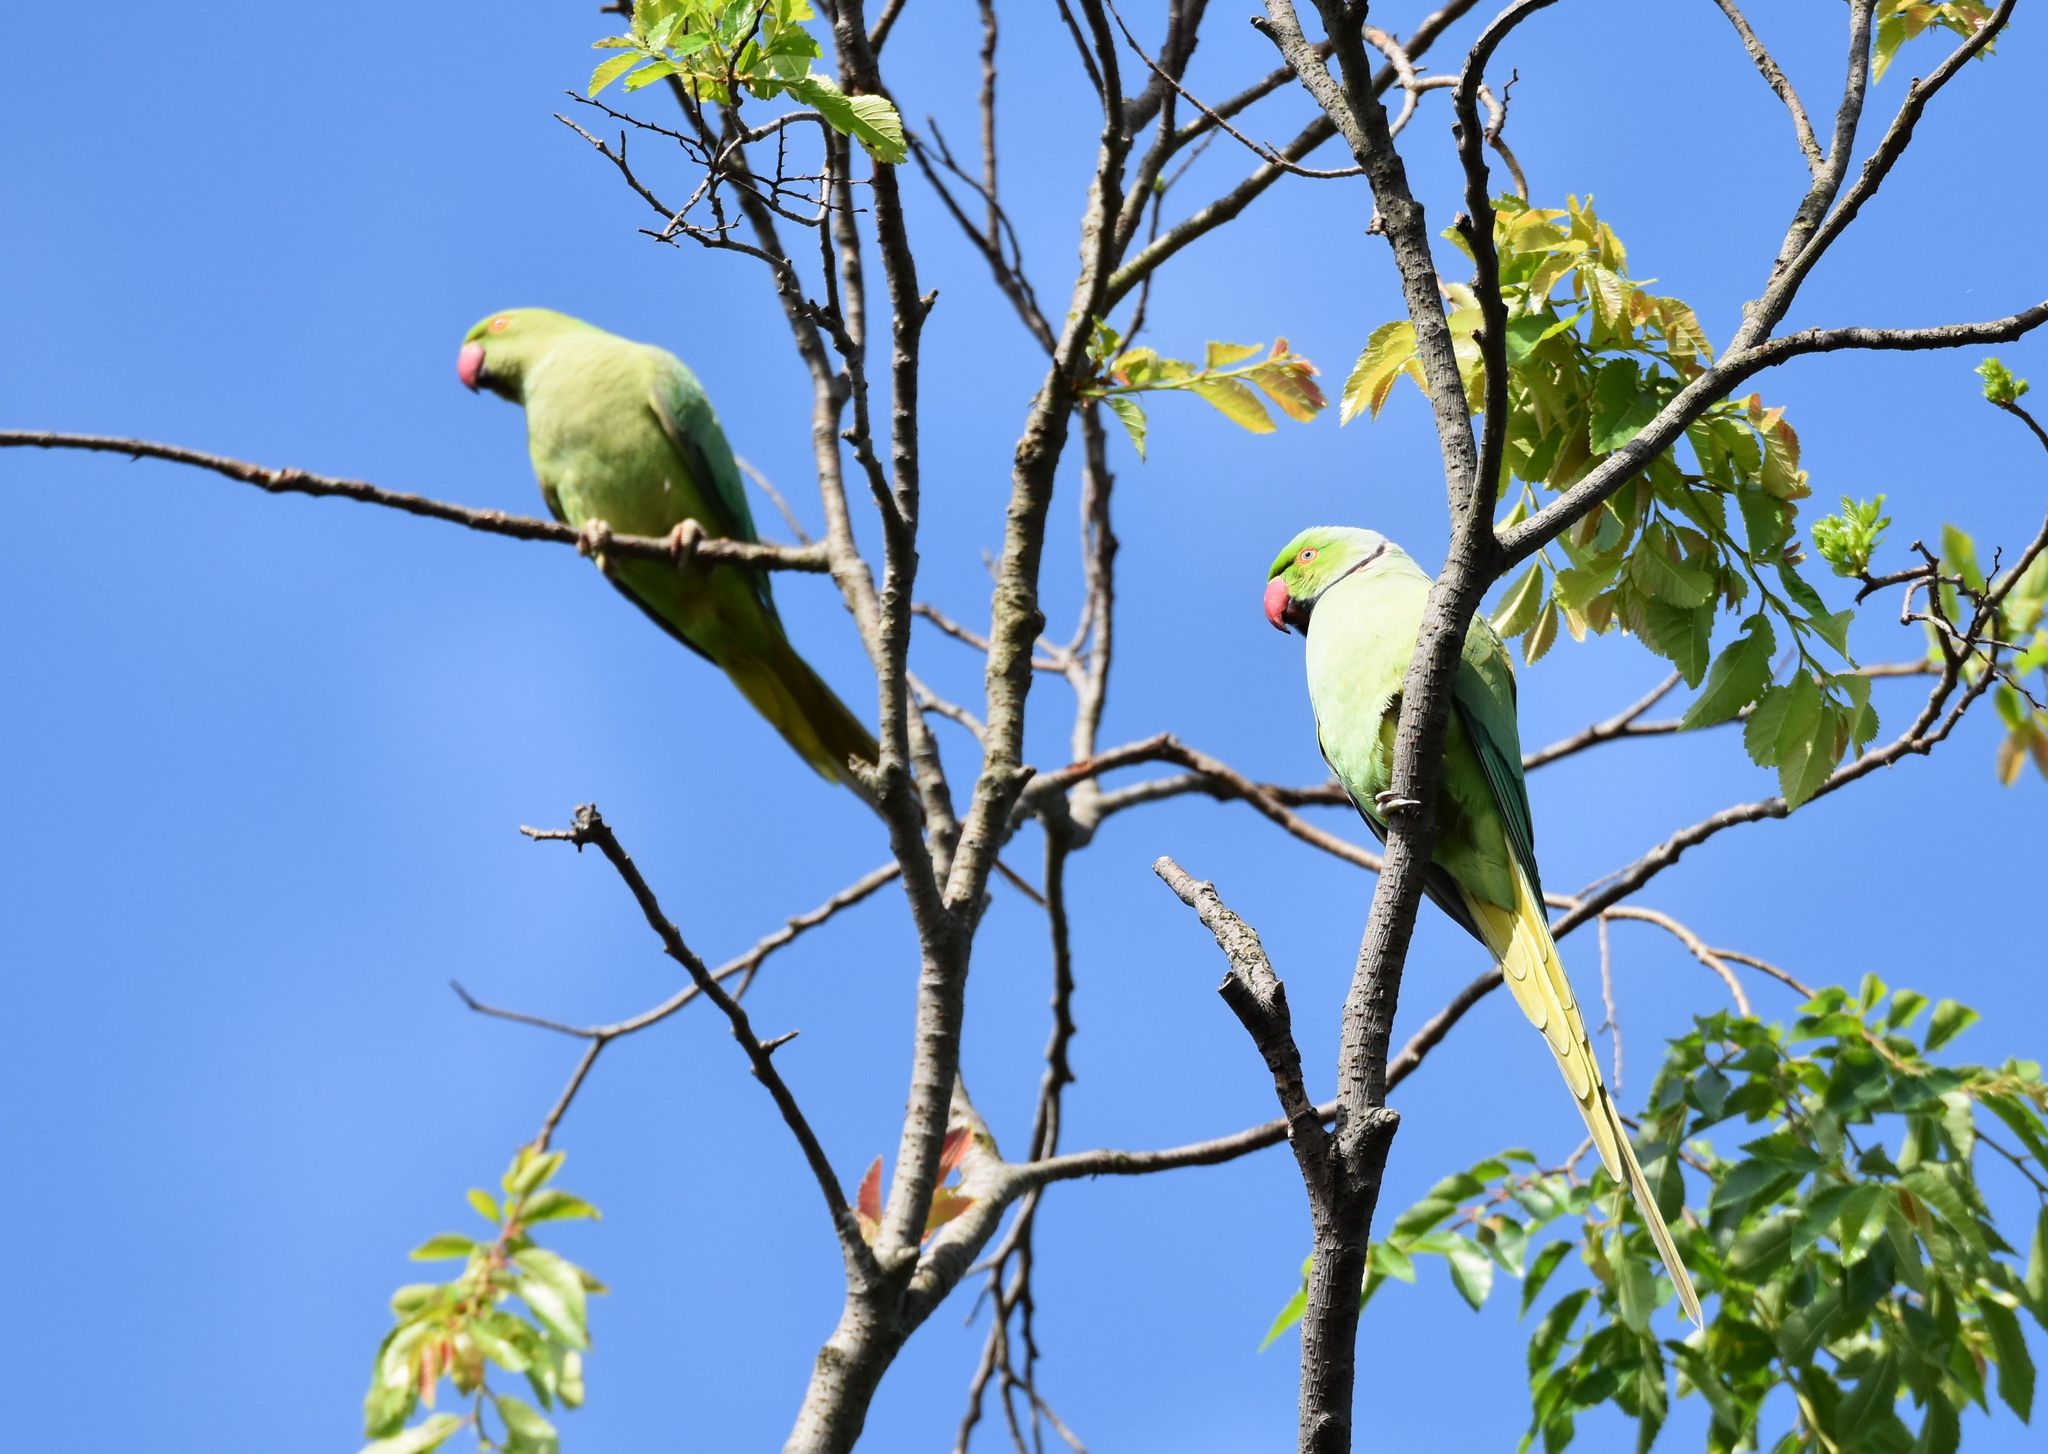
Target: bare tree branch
<point>1767,67</point>
<point>678,547</point>
<point>590,830</point>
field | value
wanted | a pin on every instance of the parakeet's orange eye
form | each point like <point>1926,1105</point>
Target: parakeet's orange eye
<point>498,325</point>
<point>1307,555</point>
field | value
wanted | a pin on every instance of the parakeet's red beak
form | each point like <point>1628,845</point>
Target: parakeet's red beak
<point>1280,607</point>
<point>469,365</point>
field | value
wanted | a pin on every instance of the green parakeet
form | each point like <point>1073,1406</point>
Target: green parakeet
<point>621,432</point>
<point>1359,599</point>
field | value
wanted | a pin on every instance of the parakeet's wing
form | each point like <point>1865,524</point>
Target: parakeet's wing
<point>1484,698</point>
<point>1436,879</point>
<point>692,430</point>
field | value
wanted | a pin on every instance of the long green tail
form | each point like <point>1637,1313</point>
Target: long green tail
<point>798,704</point>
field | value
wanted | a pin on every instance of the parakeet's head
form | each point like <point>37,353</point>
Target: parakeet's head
<point>1316,560</point>
<point>497,352</point>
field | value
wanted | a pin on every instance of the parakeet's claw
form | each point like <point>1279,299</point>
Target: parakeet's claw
<point>1392,802</point>
<point>592,539</point>
<point>684,540</point>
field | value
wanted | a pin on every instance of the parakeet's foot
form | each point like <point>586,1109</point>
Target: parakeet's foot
<point>684,540</point>
<point>1392,802</point>
<point>593,538</point>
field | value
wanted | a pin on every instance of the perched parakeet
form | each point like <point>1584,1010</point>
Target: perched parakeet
<point>1359,600</point>
<point>621,432</point>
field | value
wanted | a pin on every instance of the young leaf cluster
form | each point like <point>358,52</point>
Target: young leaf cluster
<point>1848,540</point>
<point>1850,1245</point>
<point>719,48</point>
<point>1592,355</point>
<point>2019,620</point>
<point>460,1330</point>
<point>1231,378</point>
<point>1899,21</point>
<point>948,1202</point>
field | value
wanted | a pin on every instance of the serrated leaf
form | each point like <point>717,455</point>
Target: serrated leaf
<point>1541,635</point>
<point>1680,636</point>
<point>870,120</point>
<point>1620,409</point>
<point>1760,733</point>
<point>1673,582</point>
<point>1949,1020</point>
<point>609,71</point>
<point>648,74</point>
<point>1131,416</point>
<point>1517,610</point>
<point>1235,402</point>
<point>1738,675</point>
<point>1223,355</point>
<point>1388,352</point>
<point>442,1247</point>
<point>1292,387</point>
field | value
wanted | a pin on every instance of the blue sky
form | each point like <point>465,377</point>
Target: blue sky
<point>267,757</point>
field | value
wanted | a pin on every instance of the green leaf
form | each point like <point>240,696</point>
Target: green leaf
<point>530,1169</point>
<point>2037,1270</point>
<point>485,1204</point>
<point>1223,355</point>
<point>1517,610</point>
<point>1738,676</point>
<point>1948,1021</point>
<point>1941,1432</point>
<point>1540,1270</point>
<point>1287,1317</point>
<point>553,1288</point>
<point>553,1205</point>
<point>2000,387</point>
<point>648,74</point>
<point>497,1347</point>
<point>1620,408</point>
<point>1680,635</point>
<point>420,1438</point>
<point>2009,1349</point>
<point>1390,1261</point>
<point>1541,635</point>
<point>1389,352</point>
<point>530,1433</point>
<point>1235,402</point>
<point>1959,557</point>
<point>609,71</point>
<point>446,1245</point>
<point>409,1299</point>
<point>1763,1249</point>
<point>1807,745</point>
<point>1867,1406</point>
<point>1471,1271</point>
<point>870,120</point>
<point>1635,1291</point>
<point>1676,583</point>
<point>1131,416</point>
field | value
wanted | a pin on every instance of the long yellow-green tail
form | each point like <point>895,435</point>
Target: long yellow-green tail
<point>810,717</point>
<point>1528,960</point>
